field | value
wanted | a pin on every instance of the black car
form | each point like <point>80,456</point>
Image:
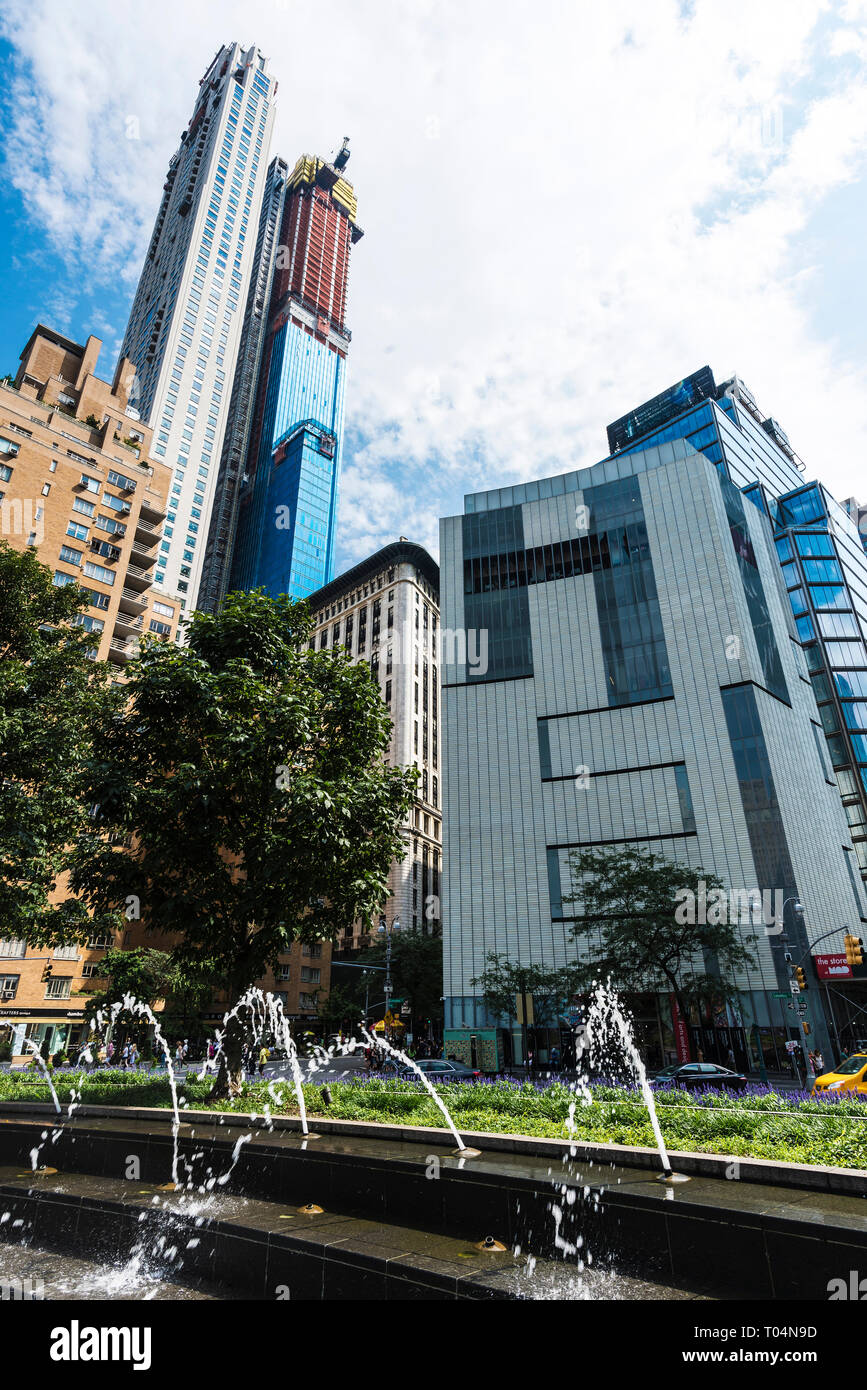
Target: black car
<point>692,1075</point>
<point>436,1068</point>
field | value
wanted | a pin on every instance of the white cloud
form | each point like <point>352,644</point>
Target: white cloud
<point>567,206</point>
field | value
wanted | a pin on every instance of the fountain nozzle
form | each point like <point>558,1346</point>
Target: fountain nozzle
<point>669,1176</point>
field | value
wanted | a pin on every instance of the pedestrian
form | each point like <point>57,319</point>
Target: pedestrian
<point>133,1055</point>
<point>731,1060</point>
<point>820,1063</point>
<point>101,1056</point>
<point>109,1052</point>
<point>264,1054</point>
<point>179,1054</point>
<point>555,1057</point>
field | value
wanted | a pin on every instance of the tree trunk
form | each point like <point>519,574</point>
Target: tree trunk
<point>229,1081</point>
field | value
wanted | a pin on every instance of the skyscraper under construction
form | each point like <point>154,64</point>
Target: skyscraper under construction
<point>274,520</point>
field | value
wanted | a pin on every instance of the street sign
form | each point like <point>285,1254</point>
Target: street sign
<point>780,995</point>
<point>832,966</point>
<point>794,987</point>
<point>519,1009</point>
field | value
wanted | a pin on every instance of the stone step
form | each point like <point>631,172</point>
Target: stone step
<point>271,1250</point>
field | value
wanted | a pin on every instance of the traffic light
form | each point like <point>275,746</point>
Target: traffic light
<point>800,977</point>
<point>853,946</point>
<point>46,972</point>
<point>806,1027</point>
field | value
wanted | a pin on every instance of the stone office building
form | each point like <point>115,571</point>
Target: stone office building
<point>385,611</point>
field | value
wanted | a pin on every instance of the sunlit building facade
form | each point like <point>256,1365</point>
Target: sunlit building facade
<point>185,324</point>
<point>642,632</point>
<point>288,500</point>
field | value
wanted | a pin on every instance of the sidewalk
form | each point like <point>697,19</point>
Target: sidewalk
<point>778,1081</point>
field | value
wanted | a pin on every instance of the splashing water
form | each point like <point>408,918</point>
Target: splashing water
<point>129,1004</point>
<point>267,1015</point>
<point>604,1014</point>
<point>396,1052</point>
<point>37,1055</point>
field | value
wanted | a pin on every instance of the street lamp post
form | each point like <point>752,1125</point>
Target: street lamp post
<point>388,931</point>
<point>801,1013</point>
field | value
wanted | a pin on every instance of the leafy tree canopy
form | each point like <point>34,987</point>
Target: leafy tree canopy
<point>50,692</point>
<point>503,980</point>
<point>416,971</point>
<point>630,927</point>
<point>251,773</point>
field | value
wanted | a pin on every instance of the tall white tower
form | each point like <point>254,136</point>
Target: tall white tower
<point>185,325</point>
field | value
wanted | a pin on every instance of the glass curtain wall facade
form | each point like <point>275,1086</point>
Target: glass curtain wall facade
<point>184,328</point>
<point>825,572</point>
<point>794,566</point>
<point>820,550</point>
<point>703,754</point>
<point>219,552</point>
<point>288,501</point>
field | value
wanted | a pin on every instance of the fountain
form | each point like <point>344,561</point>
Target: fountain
<point>604,1013</point>
<point>130,1004</point>
<point>38,1057</point>
<point>267,1011</point>
<point>462,1149</point>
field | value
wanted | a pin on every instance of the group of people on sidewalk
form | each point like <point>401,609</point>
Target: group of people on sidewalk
<point>255,1059</point>
<point>105,1054</point>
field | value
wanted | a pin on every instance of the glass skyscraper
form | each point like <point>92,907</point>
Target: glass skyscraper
<point>216,569</point>
<point>820,550</point>
<point>288,499</point>
<point>184,328</point>
<point>651,630</point>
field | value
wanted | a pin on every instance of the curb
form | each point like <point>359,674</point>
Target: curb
<point>852,1181</point>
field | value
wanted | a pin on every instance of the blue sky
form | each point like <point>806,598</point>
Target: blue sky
<point>566,206</point>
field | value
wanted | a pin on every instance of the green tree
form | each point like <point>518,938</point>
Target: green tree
<point>251,772</point>
<point>149,976</point>
<point>630,924</point>
<point>339,1003</point>
<point>143,972</point>
<point>503,980</point>
<point>416,971</point>
<point>50,692</point>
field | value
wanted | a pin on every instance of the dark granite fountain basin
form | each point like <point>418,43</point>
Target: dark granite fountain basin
<point>402,1216</point>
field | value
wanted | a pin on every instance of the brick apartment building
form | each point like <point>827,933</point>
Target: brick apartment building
<point>79,487</point>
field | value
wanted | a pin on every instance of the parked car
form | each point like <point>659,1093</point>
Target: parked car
<point>695,1074</point>
<point>436,1068</point>
<point>848,1075</point>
